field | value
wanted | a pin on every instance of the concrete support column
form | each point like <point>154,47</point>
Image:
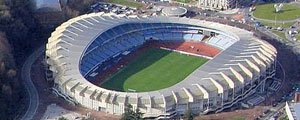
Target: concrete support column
<point>261,87</point>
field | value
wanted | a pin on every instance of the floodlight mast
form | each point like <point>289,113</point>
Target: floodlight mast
<point>278,8</point>
<point>275,19</point>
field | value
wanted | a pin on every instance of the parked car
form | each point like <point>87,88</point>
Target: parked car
<point>274,104</point>
<point>268,27</point>
<point>280,29</point>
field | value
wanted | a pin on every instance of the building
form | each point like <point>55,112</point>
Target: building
<point>47,5</point>
<point>212,4</point>
<point>73,53</point>
<point>174,11</point>
<point>217,4</point>
<point>292,110</point>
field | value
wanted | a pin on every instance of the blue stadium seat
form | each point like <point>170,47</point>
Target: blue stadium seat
<point>197,37</point>
<point>108,52</point>
<point>146,25</point>
<point>119,30</point>
<point>187,36</point>
<point>168,36</point>
<point>128,27</point>
<point>177,36</point>
<point>91,60</point>
<point>88,65</point>
<point>158,35</point>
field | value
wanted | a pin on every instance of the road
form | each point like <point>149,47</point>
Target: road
<point>263,29</point>
<point>276,109</point>
<point>31,90</point>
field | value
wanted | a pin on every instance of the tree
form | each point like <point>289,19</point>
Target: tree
<point>138,114</point>
<point>6,89</point>
<point>130,114</point>
<point>16,28</point>
<point>2,68</point>
<point>62,118</point>
<point>11,73</point>
<point>188,115</point>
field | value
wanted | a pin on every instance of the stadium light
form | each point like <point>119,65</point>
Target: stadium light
<point>278,7</point>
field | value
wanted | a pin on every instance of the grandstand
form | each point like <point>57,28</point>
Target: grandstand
<point>83,46</point>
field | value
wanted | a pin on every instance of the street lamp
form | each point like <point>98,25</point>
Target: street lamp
<point>277,9</point>
<point>275,19</point>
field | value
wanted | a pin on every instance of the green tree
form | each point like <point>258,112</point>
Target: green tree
<point>138,114</point>
<point>17,26</point>
<point>62,118</point>
<point>11,73</point>
<point>188,115</point>
<point>130,114</point>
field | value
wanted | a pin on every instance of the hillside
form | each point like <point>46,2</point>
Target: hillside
<point>9,85</point>
<point>18,34</point>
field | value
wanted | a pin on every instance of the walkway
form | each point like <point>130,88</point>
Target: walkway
<point>32,92</point>
<point>230,12</point>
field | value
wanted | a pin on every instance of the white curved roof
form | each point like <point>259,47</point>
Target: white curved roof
<point>234,66</point>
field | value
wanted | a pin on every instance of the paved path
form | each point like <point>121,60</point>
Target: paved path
<point>273,21</point>
<point>32,92</point>
<point>231,11</point>
<point>274,110</point>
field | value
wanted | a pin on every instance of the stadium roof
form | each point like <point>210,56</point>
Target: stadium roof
<point>236,65</point>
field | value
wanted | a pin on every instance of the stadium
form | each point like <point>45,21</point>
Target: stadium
<point>161,65</point>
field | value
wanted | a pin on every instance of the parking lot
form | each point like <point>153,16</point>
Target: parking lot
<point>108,7</point>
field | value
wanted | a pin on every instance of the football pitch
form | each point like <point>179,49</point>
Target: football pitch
<point>154,69</point>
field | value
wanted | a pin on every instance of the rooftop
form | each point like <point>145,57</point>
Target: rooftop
<point>174,11</point>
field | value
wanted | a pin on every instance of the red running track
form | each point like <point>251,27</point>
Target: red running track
<point>199,48</point>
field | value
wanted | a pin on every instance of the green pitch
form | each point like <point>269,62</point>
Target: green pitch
<point>154,69</point>
<point>267,11</point>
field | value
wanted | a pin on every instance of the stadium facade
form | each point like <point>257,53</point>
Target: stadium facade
<point>77,48</point>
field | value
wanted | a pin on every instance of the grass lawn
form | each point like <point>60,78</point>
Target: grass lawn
<point>153,70</point>
<point>283,25</point>
<point>298,36</point>
<point>279,33</point>
<point>129,3</point>
<point>267,11</point>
